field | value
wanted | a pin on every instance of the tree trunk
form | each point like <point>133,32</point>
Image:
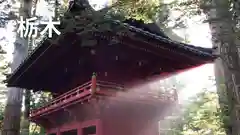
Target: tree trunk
<point>236,13</point>
<point>222,25</point>
<point>12,114</point>
<point>25,121</point>
<point>27,95</point>
<point>56,11</point>
<point>222,93</point>
<point>236,17</point>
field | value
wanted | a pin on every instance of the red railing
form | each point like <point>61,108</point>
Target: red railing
<point>71,92</point>
<point>74,94</point>
<point>83,92</point>
<point>165,96</point>
<point>110,85</point>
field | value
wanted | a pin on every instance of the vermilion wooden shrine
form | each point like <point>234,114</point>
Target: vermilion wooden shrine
<point>107,103</point>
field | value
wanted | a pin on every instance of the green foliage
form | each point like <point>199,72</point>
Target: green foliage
<point>37,130</point>
<point>152,11</point>
<point>1,115</point>
<point>138,9</point>
<point>203,115</point>
<point>39,99</point>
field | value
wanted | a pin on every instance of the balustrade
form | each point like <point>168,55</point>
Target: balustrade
<point>80,93</point>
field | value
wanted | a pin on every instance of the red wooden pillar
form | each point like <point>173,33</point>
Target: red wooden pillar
<point>99,127</point>
<point>79,130</point>
<point>58,132</point>
<point>93,84</point>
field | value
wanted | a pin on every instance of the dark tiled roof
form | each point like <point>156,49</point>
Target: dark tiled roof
<point>158,34</point>
<point>150,27</point>
<point>137,26</point>
<point>152,30</point>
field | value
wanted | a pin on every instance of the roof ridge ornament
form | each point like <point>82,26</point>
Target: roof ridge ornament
<point>80,5</point>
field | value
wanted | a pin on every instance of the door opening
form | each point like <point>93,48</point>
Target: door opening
<point>70,132</point>
<point>91,130</point>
